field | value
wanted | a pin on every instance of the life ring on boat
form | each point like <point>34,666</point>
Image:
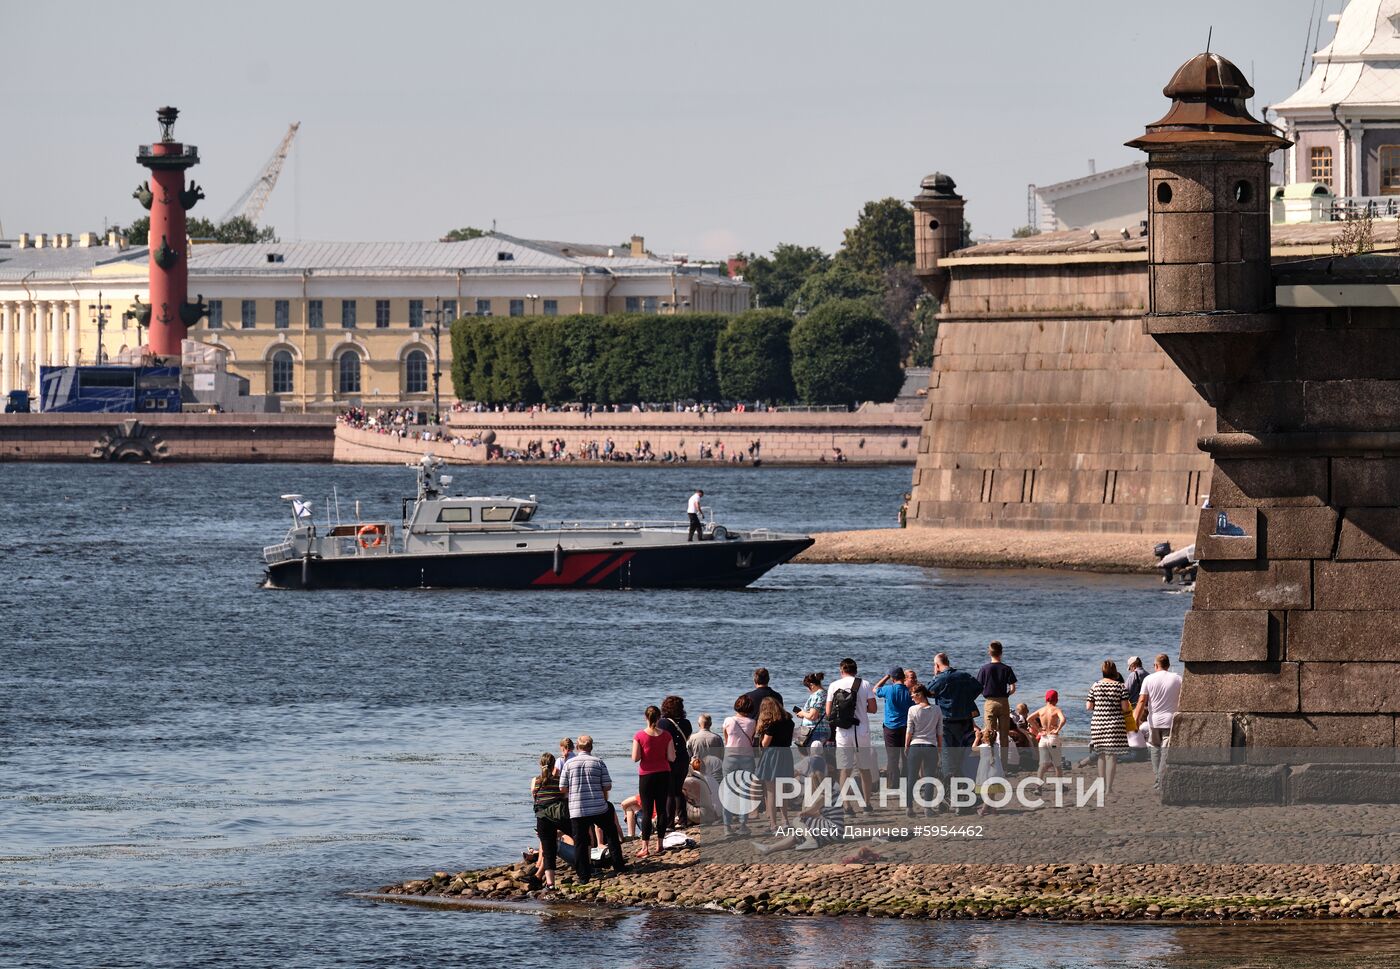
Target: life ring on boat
<point>368,532</point>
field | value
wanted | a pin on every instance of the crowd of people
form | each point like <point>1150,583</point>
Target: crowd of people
<point>404,423</point>
<point>931,730</point>
<point>588,410</point>
<point>557,449</point>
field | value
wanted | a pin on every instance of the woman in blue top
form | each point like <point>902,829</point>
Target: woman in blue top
<point>812,713</point>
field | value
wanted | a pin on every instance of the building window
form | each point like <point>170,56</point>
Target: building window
<point>282,314</point>
<point>315,314</point>
<point>551,307</point>
<point>483,307</point>
<point>282,372</point>
<point>1320,165</point>
<point>349,382</point>
<point>250,313</point>
<point>649,304</point>
<point>347,314</point>
<point>381,313</point>
<point>1390,169</point>
<point>415,372</point>
<point>415,313</point>
<point>216,314</point>
<point>634,304</point>
<point>449,310</point>
<point>517,307</point>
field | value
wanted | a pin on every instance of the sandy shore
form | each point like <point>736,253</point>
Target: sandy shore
<point>990,548</point>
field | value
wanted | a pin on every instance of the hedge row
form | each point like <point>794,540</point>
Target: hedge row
<point>618,359</point>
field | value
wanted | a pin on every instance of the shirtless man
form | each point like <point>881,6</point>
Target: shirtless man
<point>1048,721</point>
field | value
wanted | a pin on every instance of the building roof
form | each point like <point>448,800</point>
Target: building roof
<point>50,263</point>
<point>1361,66</point>
<point>1074,186</point>
<point>473,255</point>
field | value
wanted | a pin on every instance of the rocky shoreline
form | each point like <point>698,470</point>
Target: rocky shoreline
<point>990,548</point>
<point>921,891</point>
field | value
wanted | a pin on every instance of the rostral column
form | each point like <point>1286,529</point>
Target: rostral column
<point>169,314</point>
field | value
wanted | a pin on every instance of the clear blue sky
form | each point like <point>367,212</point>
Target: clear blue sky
<point>707,127</point>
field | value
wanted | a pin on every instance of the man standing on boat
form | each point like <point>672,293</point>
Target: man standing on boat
<point>692,510</point>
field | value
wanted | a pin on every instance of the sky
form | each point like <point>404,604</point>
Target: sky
<point>708,128</point>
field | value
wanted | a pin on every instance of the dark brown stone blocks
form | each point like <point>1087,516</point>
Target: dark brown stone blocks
<point>1297,533</point>
<point>1370,533</point>
<point>1228,636</point>
<point>1366,405</point>
<point>1216,546</point>
<point>1273,481</point>
<point>1241,687</point>
<point>1337,636</point>
<point>1283,584</point>
<point>1365,481</point>
<point>1317,730</point>
<point>1356,585</point>
<point>1350,687</point>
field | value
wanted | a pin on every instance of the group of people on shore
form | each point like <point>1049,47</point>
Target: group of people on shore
<point>929,730</point>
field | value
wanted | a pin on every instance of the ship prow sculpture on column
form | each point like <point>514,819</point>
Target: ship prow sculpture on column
<point>1293,640</point>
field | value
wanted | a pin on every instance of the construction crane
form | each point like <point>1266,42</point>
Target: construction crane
<point>250,204</point>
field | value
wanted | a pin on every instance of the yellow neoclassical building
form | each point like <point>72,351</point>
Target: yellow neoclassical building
<point>323,324</point>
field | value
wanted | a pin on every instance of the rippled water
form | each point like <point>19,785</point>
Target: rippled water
<point>193,769</point>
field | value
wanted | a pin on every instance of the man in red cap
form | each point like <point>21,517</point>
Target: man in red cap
<point>1048,721</point>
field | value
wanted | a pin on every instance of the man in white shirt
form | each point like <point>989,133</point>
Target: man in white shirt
<point>1160,699</point>
<point>692,511</point>
<point>853,750</point>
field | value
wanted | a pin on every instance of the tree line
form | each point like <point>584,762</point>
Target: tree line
<point>840,353</point>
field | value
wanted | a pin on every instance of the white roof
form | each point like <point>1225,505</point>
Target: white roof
<point>1361,66</point>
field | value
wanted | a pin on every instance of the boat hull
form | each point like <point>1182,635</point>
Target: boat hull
<point>710,564</point>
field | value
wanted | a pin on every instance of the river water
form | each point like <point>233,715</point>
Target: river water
<point>195,770</point>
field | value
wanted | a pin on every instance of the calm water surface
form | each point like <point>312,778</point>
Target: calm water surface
<point>193,769</point>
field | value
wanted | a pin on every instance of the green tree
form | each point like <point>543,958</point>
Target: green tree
<point>1025,232</point>
<point>838,281</point>
<point>754,356</point>
<point>882,237</point>
<point>237,229</point>
<point>676,356</point>
<point>776,277</point>
<point>549,358</point>
<point>139,231</point>
<point>463,234</point>
<point>925,326</point>
<point>844,353</point>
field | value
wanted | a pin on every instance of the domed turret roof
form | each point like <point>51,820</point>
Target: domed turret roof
<point>938,186</point>
<point>1209,95</point>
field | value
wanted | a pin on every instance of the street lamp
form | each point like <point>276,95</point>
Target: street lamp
<point>97,312</point>
<point>534,299</point>
<point>436,314</point>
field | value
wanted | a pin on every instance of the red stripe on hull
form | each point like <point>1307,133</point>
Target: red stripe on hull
<point>574,568</point>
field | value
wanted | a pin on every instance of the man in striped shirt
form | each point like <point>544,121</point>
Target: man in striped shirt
<point>587,783</point>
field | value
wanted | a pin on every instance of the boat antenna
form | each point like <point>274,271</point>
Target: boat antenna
<point>336,495</point>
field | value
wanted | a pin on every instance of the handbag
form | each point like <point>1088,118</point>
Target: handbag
<point>1130,723</point>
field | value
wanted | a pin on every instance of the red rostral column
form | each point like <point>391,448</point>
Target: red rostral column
<point>169,314</point>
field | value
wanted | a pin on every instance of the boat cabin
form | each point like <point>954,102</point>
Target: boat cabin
<point>485,514</point>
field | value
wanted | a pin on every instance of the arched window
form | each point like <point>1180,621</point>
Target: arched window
<point>282,372</point>
<point>415,372</point>
<point>349,382</point>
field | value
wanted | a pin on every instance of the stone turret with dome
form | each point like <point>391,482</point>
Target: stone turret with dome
<point>1345,120</point>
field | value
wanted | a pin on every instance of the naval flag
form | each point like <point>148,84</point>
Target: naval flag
<point>300,508</point>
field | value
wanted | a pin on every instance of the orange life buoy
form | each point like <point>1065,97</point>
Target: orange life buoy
<point>366,531</point>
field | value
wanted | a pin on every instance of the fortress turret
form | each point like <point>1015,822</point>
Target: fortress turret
<point>938,230</point>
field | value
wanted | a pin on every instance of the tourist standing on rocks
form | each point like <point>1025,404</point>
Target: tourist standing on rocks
<point>675,723</point>
<point>1107,732</point>
<point>585,781</point>
<point>762,691</point>
<point>849,706</point>
<point>774,735</point>
<point>956,694</point>
<point>738,731</point>
<point>816,729</point>
<point>1047,722</point>
<point>1160,700</point>
<point>653,751</point>
<point>897,699</point>
<point>923,740</point>
<point>998,683</point>
<point>551,816</point>
<point>705,742</point>
<point>692,511</point>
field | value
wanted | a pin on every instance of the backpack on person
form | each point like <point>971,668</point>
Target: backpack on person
<point>843,706</point>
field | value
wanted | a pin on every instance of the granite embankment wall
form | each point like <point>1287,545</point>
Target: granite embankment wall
<point>1050,408</point>
<point>353,446</point>
<point>873,435</point>
<point>169,437</point>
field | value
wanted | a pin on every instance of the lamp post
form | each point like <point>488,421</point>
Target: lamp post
<point>534,298</point>
<point>437,367</point>
<point>97,312</point>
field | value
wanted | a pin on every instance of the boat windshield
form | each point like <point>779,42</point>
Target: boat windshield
<point>524,513</point>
